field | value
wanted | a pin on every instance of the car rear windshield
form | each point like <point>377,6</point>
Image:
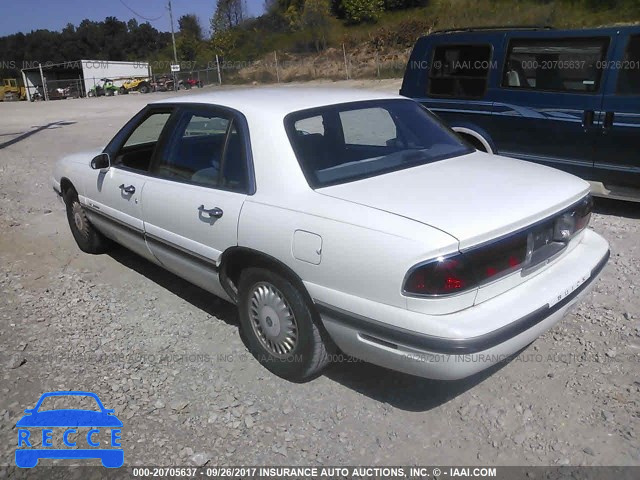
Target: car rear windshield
<point>347,142</point>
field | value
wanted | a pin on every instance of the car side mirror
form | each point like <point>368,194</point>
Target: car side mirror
<point>101,161</point>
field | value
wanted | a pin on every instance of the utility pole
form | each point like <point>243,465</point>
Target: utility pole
<point>175,53</point>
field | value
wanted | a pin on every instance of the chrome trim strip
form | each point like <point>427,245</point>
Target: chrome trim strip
<point>95,211</point>
<point>182,250</point>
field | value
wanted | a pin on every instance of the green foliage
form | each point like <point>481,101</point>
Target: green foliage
<point>390,5</point>
<point>361,11</point>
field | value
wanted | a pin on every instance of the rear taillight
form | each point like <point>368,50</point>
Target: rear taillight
<point>463,271</point>
<point>442,276</point>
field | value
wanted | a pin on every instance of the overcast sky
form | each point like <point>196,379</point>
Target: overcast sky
<point>26,15</point>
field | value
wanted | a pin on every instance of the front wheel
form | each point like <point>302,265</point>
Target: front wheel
<point>280,326</point>
<point>86,236</point>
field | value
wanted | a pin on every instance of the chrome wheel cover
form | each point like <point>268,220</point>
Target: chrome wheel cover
<point>272,320</point>
<point>78,217</point>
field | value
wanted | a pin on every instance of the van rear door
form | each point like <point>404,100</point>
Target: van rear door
<point>551,93</point>
<point>617,159</point>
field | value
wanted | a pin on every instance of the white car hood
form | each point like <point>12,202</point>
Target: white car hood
<point>475,197</point>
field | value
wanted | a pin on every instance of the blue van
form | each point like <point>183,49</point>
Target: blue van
<point>569,99</point>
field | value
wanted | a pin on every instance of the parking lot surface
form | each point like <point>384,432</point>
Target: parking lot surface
<point>167,355</point>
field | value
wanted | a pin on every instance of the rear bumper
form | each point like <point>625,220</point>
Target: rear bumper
<point>447,358</point>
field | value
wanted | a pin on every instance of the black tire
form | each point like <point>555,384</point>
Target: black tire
<point>86,236</point>
<point>310,352</point>
<point>122,91</point>
<point>144,88</point>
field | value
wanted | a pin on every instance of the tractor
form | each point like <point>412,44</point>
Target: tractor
<point>9,90</point>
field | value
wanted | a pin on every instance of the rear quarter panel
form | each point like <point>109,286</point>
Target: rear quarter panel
<point>365,252</point>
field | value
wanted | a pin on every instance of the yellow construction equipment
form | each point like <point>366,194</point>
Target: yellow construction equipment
<point>9,90</point>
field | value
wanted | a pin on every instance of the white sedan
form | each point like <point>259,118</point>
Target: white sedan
<point>341,221</point>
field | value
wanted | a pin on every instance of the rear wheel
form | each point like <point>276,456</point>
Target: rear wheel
<point>144,88</point>
<point>280,326</point>
<point>86,236</point>
<point>122,90</point>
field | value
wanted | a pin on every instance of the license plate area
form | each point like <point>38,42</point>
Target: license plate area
<point>541,246</point>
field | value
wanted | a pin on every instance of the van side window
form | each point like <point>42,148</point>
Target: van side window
<point>459,71</point>
<point>560,65</point>
<point>629,73</point>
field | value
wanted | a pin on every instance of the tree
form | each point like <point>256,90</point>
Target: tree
<point>315,19</point>
<point>189,25</point>
<point>189,37</point>
<point>228,14</point>
<point>360,11</point>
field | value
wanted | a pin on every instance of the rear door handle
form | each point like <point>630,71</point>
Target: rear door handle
<point>130,189</point>
<point>608,121</point>
<point>212,212</point>
<point>587,119</point>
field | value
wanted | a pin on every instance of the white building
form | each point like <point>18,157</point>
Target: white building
<point>80,74</point>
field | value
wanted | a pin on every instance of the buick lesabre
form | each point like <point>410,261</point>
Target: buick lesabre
<point>341,221</point>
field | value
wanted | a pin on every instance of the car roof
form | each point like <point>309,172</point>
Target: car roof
<point>537,31</point>
<point>280,100</point>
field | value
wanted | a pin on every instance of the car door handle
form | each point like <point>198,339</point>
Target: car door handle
<point>587,119</point>
<point>212,212</point>
<point>130,189</point>
<point>608,121</point>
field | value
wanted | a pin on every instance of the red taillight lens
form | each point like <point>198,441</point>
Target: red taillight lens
<point>441,277</point>
<point>465,271</point>
<point>499,258</point>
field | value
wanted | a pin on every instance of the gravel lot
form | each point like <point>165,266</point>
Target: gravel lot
<point>167,356</point>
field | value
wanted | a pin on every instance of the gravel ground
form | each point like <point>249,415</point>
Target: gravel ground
<point>167,356</point>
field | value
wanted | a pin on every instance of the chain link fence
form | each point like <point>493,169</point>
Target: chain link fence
<point>277,67</point>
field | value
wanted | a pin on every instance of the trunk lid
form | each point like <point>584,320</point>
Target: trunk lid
<point>475,197</point>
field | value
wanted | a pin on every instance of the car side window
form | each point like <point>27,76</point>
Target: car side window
<point>205,149</point>
<point>629,72</point>
<point>560,65</point>
<point>138,149</point>
<point>460,71</point>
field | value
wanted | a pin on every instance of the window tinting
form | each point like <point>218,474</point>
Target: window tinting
<point>562,65</point>
<point>137,151</point>
<point>460,71</point>
<point>629,72</point>
<point>206,149</point>
<point>365,139</point>
<point>148,131</point>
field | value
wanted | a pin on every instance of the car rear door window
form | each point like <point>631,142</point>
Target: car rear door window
<point>460,71</point>
<point>559,65</point>
<point>205,149</point>
<point>629,71</point>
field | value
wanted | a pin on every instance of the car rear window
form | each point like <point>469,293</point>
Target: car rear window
<point>342,143</point>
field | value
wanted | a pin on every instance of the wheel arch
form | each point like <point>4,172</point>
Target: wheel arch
<point>236,259</point>
<point>65,185</point>
<point>479,135</point>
